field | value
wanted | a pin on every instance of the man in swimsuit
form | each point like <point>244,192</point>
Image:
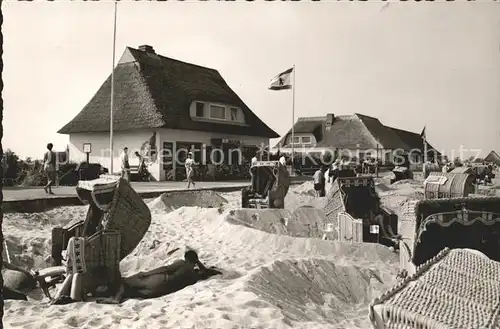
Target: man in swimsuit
<point>163,280</point>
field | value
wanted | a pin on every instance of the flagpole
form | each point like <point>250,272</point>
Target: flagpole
<point>424,139</point>
<point>293,120</point>
<point>112,97</point>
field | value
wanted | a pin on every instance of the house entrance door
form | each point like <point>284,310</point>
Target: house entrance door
<point>168,160</point>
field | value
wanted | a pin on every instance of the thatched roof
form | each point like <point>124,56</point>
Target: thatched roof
<point>349,132</point>
<point>153,91</point>
<point>414,140</point>
<point>493,157</point>
<point>382,134</point>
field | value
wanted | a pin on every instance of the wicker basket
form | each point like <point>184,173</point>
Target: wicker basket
<point>456,289</point>
<point>350,229</point>
<point>353,206</point>
<point>418,216</point>
<point>102,257</point>
<point>448,185</point>
<point>270,179</point>
<point>462,170</point>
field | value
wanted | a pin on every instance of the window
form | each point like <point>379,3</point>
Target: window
<point>200,109</point>
<point>217,112</point>
<point>296,140</point>
<point>306,140</point>
<point>234,114</point>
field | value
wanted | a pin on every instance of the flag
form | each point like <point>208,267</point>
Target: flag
<point>422,134</point>
<point>282,81</point>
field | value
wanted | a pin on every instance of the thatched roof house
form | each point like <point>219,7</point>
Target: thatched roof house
<point>167,100</point>
<point>153,91</point>
<point>493,157</point>
<point>351,132</point>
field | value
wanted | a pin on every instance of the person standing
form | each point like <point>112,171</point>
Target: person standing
<point>49,167</point>
<point>254,159</point>
<point>125,166</point>
<point>189,164</point>
<point>142,170</point>
<point>319,182</point>
<point>445,168</point>
<point>253,180</point>
<point>282,160</point>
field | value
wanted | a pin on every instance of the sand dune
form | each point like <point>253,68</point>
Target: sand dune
<point>268,281</point>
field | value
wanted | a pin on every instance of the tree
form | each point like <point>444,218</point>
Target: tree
<point>10,164</point>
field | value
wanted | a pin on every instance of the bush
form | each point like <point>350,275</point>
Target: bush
<point>29,172</point>
<point>10,164</point>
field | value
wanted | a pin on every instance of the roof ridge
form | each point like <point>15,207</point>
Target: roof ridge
<point>366,116</point>
<point>177,60</point>
<point>383,126</point>
<point>403,130</point>
<point>495,153</point>
<point>311,118</point>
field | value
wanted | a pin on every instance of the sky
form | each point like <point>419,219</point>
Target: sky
<point>409,64</point>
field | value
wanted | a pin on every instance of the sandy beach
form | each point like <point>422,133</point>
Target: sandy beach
<point>268,281</point>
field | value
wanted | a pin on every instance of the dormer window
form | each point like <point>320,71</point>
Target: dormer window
<point>217,112</point>
<point>200,109</point>
<point>301,140</point>
<point>234,114</point>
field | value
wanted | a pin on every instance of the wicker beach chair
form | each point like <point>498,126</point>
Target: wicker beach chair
<point>116,222</point>
<point>428,226</point>
<point>400,173</point>
<point>457,288</point>
<point>354,206</point>
<point>440,185</point>
<point>269,186</point>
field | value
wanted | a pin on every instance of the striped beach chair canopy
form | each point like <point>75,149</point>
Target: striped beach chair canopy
<point>458,288</point>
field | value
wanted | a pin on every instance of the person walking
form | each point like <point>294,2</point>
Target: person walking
<point>142,170</point>
<point>49,167</point>
<point>254,159</point>
<point>188,164</point>
<point>125,166</point>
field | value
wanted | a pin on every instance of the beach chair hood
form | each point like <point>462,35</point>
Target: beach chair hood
<point>123,209</point>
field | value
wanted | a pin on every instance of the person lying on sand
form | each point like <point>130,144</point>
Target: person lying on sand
<point>163,280</point>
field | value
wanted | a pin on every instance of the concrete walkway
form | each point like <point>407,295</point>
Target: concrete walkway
<point>34,199</point>
<point>18,193</point>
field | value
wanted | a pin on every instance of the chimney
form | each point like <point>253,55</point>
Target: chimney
<point>330,117</point>
<point>147,49</point>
